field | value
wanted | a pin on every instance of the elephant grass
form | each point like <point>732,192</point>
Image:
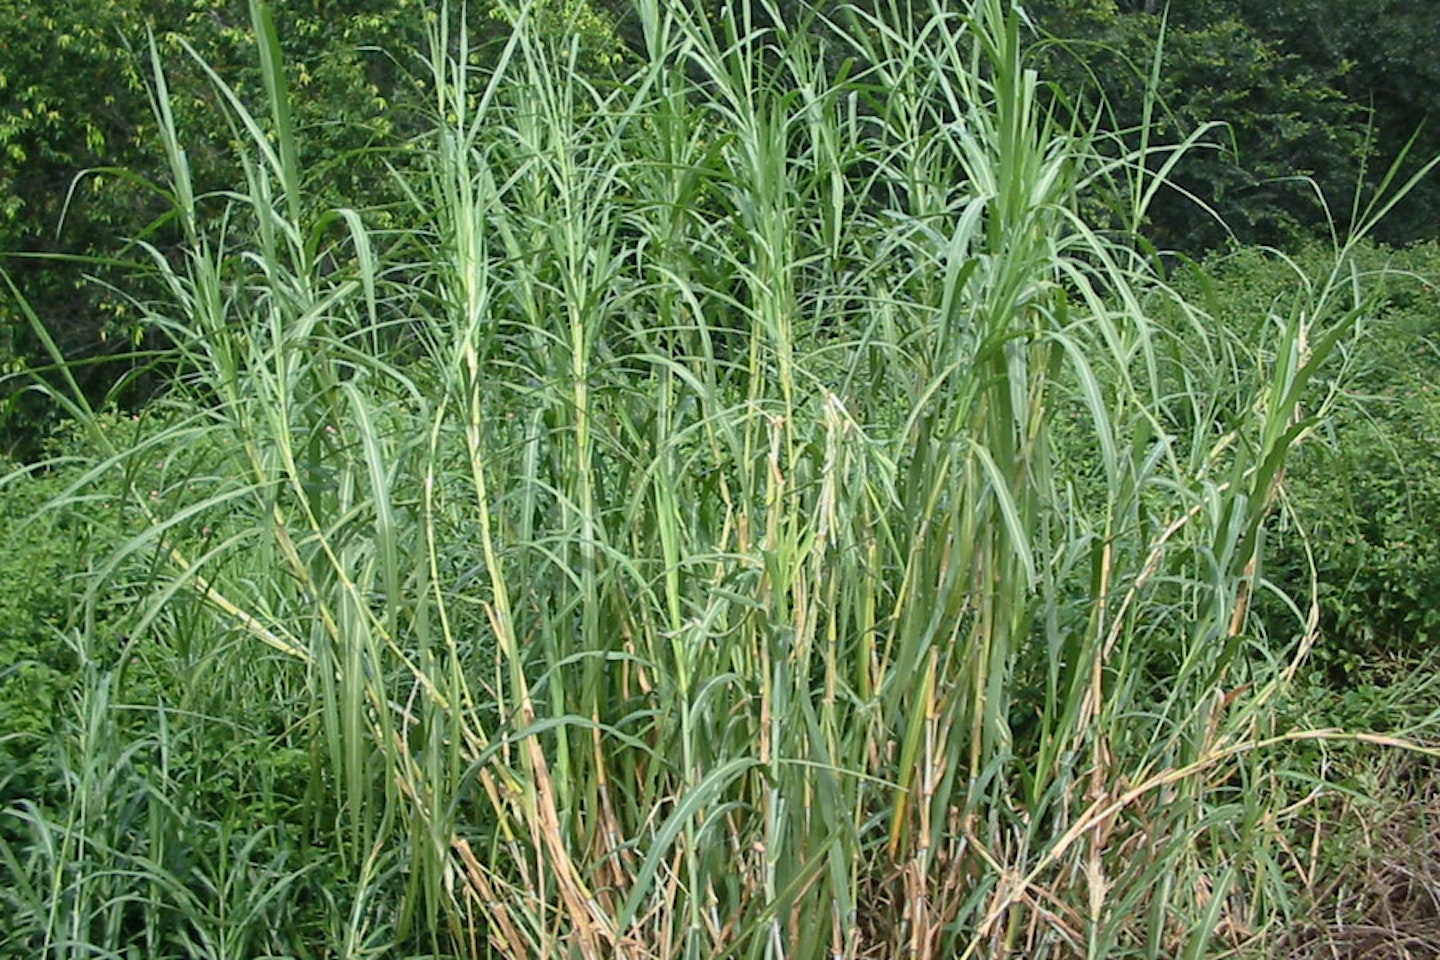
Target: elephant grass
<point>745,508</point>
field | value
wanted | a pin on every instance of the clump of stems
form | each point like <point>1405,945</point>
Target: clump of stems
<point>744,508</point>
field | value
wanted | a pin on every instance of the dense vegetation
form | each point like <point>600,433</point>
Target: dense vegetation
<point>701,482</point>
<point>1311,93</point>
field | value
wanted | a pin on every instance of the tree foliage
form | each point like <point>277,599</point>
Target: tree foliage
<point>1273,126</point>
<point>81,158</point>
<point>1382,54</point>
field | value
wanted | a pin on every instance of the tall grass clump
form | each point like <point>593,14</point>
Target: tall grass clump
<point>744,510</point>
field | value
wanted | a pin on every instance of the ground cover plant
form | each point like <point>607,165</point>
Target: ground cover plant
<point>739,507</point>
<point>1367,490</point>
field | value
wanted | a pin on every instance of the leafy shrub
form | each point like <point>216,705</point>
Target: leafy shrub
<point>1366,491</point>
<point>36,597</point>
